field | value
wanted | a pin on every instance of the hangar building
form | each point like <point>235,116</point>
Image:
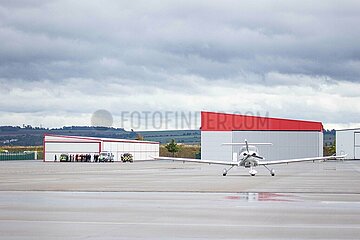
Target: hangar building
<point>348,142</point>
<point>57,145</point>
<point>289,138</point>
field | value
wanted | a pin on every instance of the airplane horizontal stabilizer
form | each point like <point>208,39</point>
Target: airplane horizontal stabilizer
<point>243,144</point>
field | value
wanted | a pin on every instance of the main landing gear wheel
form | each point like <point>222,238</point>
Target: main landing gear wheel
<point>272,171</point>
<point>227,170</point>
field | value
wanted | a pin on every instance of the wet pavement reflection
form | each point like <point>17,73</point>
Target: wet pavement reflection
<point>263,197</point>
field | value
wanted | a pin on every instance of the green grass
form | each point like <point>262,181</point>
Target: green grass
<point>16,149</point>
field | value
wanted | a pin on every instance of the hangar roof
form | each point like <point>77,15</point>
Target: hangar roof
<point>81,138</point>
<point>348,129</point>
<point>213,121</point>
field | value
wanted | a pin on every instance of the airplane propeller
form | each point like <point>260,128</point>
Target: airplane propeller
<point>247,145</point>
<point>247,155</point>
<point>256,156</point>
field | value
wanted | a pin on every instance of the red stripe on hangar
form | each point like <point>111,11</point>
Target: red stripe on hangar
<point>212,121</point>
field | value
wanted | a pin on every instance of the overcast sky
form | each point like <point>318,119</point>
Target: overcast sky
<point>60,61</point>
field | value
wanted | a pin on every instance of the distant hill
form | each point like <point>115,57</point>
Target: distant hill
<point>29,136</point>
<point>181,136</point>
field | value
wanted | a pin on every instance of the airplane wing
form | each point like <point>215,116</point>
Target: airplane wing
<point>196,161</point>
<point>301,160</point>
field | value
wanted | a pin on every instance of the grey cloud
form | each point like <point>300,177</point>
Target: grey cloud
<point>97,48</point>
<point>23,4</point>
<point>211,39</point>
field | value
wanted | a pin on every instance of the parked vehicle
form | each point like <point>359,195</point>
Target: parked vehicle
<point>106,157</point>
<point>64,158</point>
<point>127,157</point>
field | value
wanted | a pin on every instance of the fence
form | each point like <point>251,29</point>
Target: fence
<point>6,156</point>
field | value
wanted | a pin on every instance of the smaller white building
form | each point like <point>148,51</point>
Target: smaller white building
<point>55,145</point>
<point>348,142</point>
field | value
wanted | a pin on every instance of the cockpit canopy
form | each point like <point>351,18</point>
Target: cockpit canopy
<point>251,149</point>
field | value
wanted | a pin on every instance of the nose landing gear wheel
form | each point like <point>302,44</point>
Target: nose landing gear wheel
<point>252,172</point>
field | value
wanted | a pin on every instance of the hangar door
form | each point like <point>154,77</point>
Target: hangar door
<point>357,145</point>
<point>57,148</point>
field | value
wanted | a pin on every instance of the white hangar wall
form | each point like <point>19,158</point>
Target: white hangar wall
<point>285,144</point>
<point>57,145</point>
<point>212,148</point>
<point>140,151</point>
<point>348,142</point>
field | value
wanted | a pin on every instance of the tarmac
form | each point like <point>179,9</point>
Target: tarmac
<point>168,200</point>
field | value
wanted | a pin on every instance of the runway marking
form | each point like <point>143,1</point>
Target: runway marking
<point>317,226</point>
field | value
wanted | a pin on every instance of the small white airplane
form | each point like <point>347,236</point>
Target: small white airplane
<point>249,158</point>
